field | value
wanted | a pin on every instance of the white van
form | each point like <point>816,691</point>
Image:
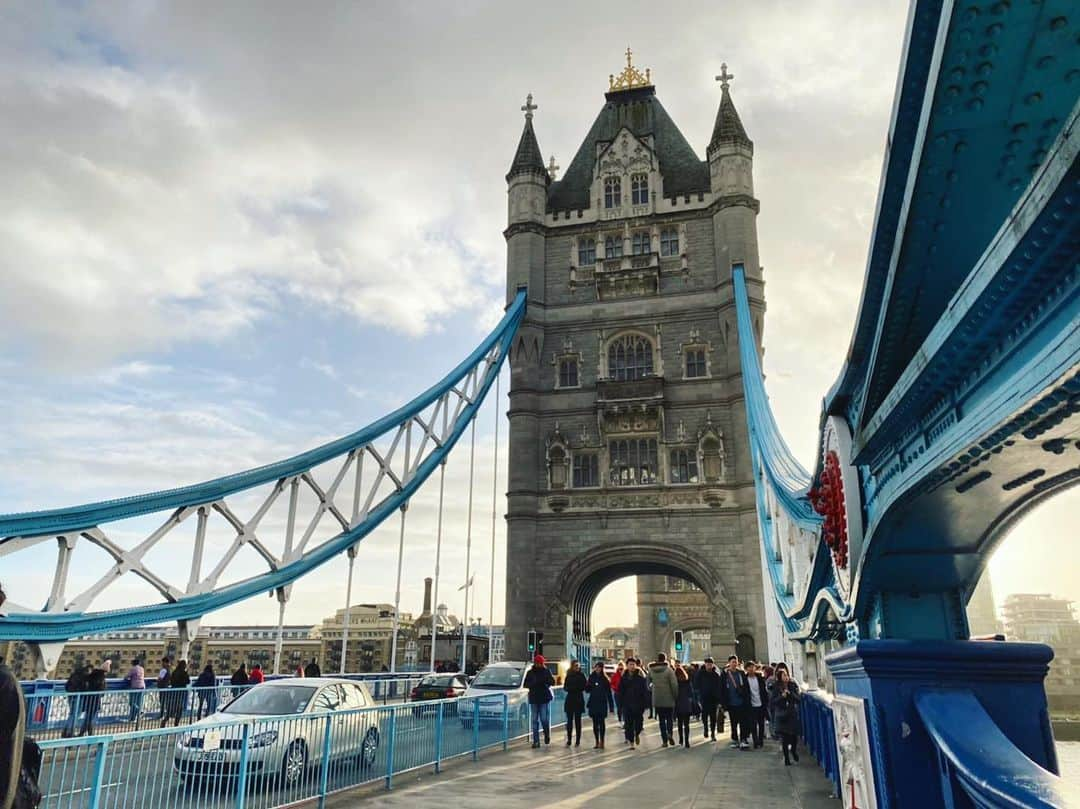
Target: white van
<point>496,679</point>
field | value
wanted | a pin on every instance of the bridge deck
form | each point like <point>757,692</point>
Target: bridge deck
<point>556,777</point>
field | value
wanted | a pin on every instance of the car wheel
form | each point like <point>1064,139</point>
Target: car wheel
<point>369,748</point>
<point>294,763</point>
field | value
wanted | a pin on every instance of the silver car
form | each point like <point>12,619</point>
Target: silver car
<point>287,731</point>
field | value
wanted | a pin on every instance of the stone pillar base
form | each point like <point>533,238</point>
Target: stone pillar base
<point>897,759</point>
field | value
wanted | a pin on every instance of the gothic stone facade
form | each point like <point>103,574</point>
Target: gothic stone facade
<point>628,438</point>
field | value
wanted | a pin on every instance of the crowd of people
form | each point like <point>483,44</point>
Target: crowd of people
<point>757,700</point>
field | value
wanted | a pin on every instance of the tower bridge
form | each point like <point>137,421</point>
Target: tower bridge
<point>642,441</point>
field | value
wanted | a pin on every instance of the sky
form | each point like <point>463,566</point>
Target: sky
<point>227,237</point>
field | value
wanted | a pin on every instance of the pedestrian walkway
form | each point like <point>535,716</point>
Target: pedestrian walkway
<point>705,776</point>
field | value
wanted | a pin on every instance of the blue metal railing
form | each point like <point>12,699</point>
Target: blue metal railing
<point>269,762</point>
<point>978,764</point>
<point>57,714</point>
<point>819,733</point>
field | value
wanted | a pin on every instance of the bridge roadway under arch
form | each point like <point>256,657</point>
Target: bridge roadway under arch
<point>707,775</point>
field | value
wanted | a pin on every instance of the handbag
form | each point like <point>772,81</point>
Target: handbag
<point>27,791</point>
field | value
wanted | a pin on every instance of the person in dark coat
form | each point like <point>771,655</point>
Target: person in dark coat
<point>574,685</point>
<point>601,702</point>
<point>634,698</point>
<point>240,676</point>
<point>684,704</point>
<point>12,728</point>
<point>176,697</point>
<point>74,688</point>
<point>736,699</point>
<point>206,683</point>
<point>95,685</point>
<point>312,669</point>
<point>784,707</point>
<point>710,692</point>
<point>539,682</point>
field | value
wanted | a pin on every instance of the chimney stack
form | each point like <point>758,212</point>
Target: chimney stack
<point>427,596</point>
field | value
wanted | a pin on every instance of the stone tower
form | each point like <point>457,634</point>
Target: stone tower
<point>628,440</point>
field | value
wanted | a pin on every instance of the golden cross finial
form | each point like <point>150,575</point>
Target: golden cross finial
<point>552,167</point>
<point>724,78</point>
<point>629,53</point>
<point>630,77</point>
<point>529,107</point>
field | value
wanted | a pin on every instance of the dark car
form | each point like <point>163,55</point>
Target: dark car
<point>439,686</point>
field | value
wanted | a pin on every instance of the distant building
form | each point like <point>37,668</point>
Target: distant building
<point>616,642</point>
<point>981,612</point>
<point>1041,618</point>
<point>371,637</point>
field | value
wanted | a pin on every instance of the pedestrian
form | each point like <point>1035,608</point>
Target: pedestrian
<point>736,699</point>
<point>257,675</point>
<point>601,700</point>
<point>164,673</point>
<point>710,688</point>
<point>759,701</point>
<point>206,685</point>
<point>312,669</point>
<point>299,669</point>
<point>74,688</point>
<point>539,682</point>
<point>620,667</point>
<point>240,676</point>
<point>785,712</point>
<point>665,691</point>
<point>574,685</point>
<point>634,698</point>
<point>684,704</point>
<point>95,687</point>
<point>12,728</point>
<point>176,696</point>
<point>136,683</point>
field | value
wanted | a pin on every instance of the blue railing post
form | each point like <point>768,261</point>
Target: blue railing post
<point>324,768</point>
<point>476,730</point>
<point>242,772</point>
<point>438,737</point>
<point>99,773</point>
<point>506,721</point>
<point>390,750</point>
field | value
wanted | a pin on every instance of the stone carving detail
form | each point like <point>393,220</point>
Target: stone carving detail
<point>853,753</point>
<point>626,157</point>
<point>598,501</point>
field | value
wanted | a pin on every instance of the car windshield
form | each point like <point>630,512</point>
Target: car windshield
<point>272,700</point>
<point>440,682</point>
<point>498,677</point>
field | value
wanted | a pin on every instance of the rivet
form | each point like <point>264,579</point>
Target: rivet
<point>1033,98</point>
<point>953,90</point>
<point>985,69</point>
<point>1012,145</point>
<point>1045,62</point>
<point>1072,75</point>
<point>1058,23</point>
<point>975,104</point>
<point>972,13</point>
<point>961,146</point>
<point>1019,128</point>
<point>994,29</point>
<point>1008,160</point>
<point>952,176</point>
<point>1050,123</point>
<point>1001,7</point>
<point>988,50</point>
<point>979,88</point>
<point>957,73</point>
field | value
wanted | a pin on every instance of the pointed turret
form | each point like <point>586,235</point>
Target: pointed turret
<point>728,128</point>
<point>527,159</point>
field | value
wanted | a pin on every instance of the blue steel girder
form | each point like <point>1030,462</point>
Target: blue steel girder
<point>997,84</point>
<point>397,468</point>
<point>985,420</point>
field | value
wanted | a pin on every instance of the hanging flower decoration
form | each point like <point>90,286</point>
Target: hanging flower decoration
<point>827,498</point>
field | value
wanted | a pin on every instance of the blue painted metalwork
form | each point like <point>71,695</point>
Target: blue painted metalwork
<point>977,758</point>
<point>61,626</point>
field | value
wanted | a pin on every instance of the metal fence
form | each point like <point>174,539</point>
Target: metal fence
<point>819,733</point>
<point>58,714</point>
<point>276,761</point>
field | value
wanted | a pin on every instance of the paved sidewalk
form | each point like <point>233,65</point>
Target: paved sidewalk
<point>556,777</point>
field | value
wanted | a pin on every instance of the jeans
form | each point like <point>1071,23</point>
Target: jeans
<point>599,727</point>
<point>135,698</point>
<point>75,708</point>
<point>683,721</point>
<point>635,721</point>
<point>667,720</point>
<point>541,715</point>
<point>789,742</point>
<point>573,722</point>
<point>708,718</point>
<point>757,724</point>
<point>207,700</point>
<point>740,722</point>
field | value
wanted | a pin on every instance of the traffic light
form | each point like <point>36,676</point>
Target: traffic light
<point>678,643</point>
<point>532,642</point>
<point>539,643</point>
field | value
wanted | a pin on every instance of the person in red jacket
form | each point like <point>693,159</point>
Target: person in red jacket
<point>256,676</point>
<point>615,678</point>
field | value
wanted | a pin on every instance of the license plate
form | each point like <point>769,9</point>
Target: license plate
<point>212,755</point>
<point>432,694</point>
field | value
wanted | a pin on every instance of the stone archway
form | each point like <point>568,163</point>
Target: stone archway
<point>582,579</point>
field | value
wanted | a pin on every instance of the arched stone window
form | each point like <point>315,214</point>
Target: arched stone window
<point>712,459</point>
<point>639,189</point>
<point>630,357</point>
<point>558,460</point>
<point>613,247</point>
<point>642,242</point>
<point>669,242</point>
<point>586,252</point>
<point>612,192</point>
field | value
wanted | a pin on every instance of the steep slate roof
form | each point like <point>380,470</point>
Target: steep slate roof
<point>527,159</point>
<point>728,128</point>
<point>640,111</point>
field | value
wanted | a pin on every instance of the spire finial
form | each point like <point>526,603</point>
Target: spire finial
<point>552,168</point>
<point>629,53</point>
<point>724,78</point>
<point>529,107</point>
<point>630,77</point>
